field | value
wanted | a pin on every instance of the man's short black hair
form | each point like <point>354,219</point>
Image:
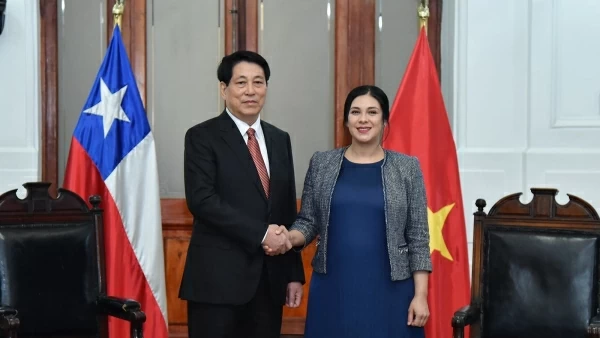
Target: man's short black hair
<point>225,70</point>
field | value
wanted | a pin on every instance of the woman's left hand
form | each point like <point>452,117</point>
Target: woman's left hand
<point>418,311</point>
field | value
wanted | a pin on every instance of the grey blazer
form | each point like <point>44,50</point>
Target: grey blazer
<point>405,210</point>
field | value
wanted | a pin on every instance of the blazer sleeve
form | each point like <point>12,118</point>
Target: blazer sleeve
<point>305,222</point>
<point>294,259</point>
<point>200,173</point>
<point>417,228</point>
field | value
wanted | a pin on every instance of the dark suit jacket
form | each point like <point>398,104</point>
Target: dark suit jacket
<point>231,214</point>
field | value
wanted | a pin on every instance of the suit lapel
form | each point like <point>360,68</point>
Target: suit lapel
<point>231,135</point>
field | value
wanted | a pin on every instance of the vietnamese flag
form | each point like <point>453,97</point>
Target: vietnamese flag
<point>419,127</point>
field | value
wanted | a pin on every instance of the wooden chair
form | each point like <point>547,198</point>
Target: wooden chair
<point>535,270</point>
<point>52,280</point>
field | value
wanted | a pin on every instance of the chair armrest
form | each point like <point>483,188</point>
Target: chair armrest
<point>593,329</point>
<point>6,311</point>
<point>126,309</point>
<point>466,315</point>
<point>8,319</point>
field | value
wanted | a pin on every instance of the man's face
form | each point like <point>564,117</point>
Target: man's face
<point>246,92</point>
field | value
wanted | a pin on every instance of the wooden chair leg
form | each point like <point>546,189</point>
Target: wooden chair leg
<point>10,325</point>
<point>458,332</point>
<point>136,330</point>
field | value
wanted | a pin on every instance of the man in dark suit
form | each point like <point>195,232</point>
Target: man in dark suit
<point>239,185</point>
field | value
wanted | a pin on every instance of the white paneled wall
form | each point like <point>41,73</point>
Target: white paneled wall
<point>524,86</point>
<point>19,95</point>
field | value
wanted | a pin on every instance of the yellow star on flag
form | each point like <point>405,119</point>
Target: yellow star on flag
<point>436,222</point>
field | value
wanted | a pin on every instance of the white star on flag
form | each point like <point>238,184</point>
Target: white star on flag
<point>109,106</point>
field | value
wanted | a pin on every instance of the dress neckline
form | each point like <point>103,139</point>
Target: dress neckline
<point>355,164</point>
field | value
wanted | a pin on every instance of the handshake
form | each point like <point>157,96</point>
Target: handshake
<point>277,240</point>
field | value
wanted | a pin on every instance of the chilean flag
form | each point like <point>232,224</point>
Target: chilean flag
<point>112,155</point>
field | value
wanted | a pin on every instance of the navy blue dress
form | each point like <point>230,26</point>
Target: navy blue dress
<point>356,297</point>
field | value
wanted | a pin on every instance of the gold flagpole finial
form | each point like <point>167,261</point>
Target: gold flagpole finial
<point>423,13</point>
<point>118,9</point>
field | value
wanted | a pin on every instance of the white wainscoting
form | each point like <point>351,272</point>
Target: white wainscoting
<point>19,95</point>
<point>524,95</point>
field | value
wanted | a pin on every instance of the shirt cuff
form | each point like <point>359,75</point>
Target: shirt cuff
<point>265,236</point>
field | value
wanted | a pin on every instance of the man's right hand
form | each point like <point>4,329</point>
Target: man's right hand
<point>277,239</point>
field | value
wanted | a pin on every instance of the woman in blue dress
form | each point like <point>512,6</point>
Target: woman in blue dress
<point>368,206</point>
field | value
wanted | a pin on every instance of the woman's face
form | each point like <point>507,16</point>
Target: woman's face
<point>365,120</point>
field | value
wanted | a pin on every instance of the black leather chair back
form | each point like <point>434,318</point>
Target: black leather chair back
<point>56,263</point>
<point>539,282</point>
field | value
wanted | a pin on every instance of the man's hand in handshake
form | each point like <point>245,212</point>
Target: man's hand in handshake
<point>276,242</point>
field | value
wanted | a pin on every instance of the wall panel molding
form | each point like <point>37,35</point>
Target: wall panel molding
<point>133,31</point>
<point>564,91</point>
<point>241,25</point>
<point>434,32</point>
<point>354,56</point>
<point>526,102</point>
<point>49,90</point>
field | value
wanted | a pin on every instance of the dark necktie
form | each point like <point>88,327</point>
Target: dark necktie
<point>258,160</point>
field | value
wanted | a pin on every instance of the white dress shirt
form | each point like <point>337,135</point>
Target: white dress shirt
<point>260,137</point>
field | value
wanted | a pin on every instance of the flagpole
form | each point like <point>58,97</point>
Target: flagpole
<point>118,9</point>
<point>423,13</point>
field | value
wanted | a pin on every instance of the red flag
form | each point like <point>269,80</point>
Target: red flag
<point>419,127</point>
